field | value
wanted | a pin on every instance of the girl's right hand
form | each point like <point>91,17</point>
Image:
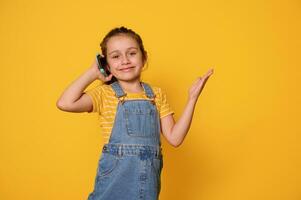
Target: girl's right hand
<point>98,75</point>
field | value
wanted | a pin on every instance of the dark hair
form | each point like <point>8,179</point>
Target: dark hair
<point>122,31</point>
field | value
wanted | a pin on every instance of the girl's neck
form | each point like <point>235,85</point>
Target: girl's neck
<point>131,87</point>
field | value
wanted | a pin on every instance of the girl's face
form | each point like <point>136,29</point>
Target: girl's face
<point>124,58</point>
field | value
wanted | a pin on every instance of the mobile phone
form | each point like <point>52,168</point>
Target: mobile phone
<point>101,62</point>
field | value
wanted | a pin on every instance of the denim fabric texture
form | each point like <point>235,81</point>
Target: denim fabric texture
<point>130,165</point>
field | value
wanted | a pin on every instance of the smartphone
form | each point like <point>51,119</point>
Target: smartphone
<point>101,62</point>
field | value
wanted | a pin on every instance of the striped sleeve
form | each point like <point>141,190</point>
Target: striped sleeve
<point>96,96</point>
<point>165,107</point>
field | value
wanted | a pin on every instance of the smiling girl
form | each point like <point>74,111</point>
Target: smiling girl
<point>133,114</point>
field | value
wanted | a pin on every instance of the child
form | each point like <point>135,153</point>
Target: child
<point>133,114</point>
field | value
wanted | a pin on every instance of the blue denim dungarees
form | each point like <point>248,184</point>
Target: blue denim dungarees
<point>131,163</point>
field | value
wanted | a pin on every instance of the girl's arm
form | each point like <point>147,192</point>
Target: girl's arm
<point>73,99</point>
<point>175,132</point>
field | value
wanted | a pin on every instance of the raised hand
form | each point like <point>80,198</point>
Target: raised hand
<point>197,87</point>
<point>99,75</point>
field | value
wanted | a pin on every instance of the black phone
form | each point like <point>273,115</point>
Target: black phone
<point>101,62</point>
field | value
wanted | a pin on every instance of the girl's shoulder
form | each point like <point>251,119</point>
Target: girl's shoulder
<point>106,89</point>
<point>101,91</point>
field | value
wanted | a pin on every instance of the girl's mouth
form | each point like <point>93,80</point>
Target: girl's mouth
<point>127,69</point>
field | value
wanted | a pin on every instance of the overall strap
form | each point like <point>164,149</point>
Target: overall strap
<point>118,90</point>
<point>148,90</point>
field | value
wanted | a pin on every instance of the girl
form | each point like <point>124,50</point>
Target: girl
<point>133,114</point>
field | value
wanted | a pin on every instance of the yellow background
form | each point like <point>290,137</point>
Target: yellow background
<point>243,142</point>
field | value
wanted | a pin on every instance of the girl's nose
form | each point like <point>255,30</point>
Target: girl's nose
<point>125,60</point>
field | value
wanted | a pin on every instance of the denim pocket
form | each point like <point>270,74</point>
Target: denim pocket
<point>107,164</point>
<point>140,122</point>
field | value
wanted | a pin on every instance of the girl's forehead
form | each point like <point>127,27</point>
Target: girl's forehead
<point>121,42</point>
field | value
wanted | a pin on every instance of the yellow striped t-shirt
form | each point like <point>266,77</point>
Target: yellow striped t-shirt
<point>105,104</point>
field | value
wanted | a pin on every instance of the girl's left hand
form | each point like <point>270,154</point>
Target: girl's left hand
<point>198,85</point>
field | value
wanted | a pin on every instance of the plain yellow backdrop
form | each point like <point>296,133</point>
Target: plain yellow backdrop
<point>243,142</point>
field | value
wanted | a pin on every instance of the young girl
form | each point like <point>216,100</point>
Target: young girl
<point>132,116</point>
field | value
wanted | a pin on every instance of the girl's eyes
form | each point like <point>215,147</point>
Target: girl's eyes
<point>132,53</point>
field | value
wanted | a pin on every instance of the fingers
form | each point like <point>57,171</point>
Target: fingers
<point>197,80</point>
<point>108,78</point>
<point>206,76</point>
<point>200,84</point>
<point>201,81</point>
<point>209,72</point>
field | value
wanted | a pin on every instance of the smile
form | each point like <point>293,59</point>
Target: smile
<point>127,69</point>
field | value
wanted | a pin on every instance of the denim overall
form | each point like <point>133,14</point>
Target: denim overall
<point>131,163</point>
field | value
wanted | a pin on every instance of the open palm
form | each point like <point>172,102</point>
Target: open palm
<point>197,87</point>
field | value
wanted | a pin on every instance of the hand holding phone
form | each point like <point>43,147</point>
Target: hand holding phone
<point>101,63</point>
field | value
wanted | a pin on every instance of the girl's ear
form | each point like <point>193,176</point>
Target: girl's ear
<point>145,59</point>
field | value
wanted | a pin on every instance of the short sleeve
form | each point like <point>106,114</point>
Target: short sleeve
<point>96,96</point>
<point>165,108</point>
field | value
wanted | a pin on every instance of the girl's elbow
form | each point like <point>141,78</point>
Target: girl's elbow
<point>62,106</point>
<point>175,144</point>
<point>59,105</point>
<point>173,141</point>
